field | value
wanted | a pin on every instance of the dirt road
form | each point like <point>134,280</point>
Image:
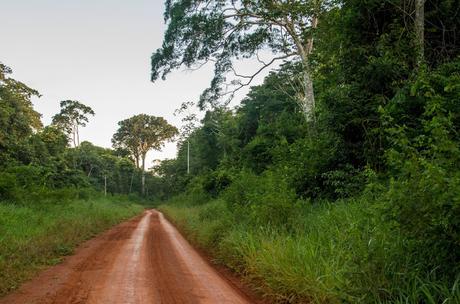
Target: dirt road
<point>144,260</point>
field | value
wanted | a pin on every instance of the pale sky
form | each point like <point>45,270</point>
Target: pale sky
<point>97,52</point>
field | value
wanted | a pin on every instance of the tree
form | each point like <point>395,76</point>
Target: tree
<point>127,139</point>
<point>18,119</point>
<point>73,115</point>
<point>142,133</point>
<point>220,31</point>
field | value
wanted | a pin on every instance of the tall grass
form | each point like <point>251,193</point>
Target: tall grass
<point>35,235</point>
<point>335,253</point>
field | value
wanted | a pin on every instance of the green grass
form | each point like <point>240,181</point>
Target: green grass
<point>335,253</point>
<point>35,235</point>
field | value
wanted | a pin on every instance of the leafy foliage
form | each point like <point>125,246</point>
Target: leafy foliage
<point>18,119</point>
<point>199,32</point>
<point>141,133</point>
<point>424,197</point>
<point>360,205</point>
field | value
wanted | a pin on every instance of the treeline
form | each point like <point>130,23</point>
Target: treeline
<point>55,192</point>
<point>355,200</point>
<point>48,162</point>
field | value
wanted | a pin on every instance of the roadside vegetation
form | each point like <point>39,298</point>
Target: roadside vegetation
<point>349,195</point>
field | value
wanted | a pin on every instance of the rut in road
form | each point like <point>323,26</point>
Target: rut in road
<point>144,260</point>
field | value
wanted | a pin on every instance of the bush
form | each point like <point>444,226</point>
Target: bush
<point>9,188</point>
<point>196,192</point>
<point>311,164</point>
<point>263,200</point>
<point>344,182</point>
<point>424,198</point>
<point>214,182</point>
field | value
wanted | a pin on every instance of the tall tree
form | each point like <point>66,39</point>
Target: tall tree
<point>18,119</point>
<point>142,133</point>
<point>221,31</point>
<point>127,139</point>
<point>73,115</point>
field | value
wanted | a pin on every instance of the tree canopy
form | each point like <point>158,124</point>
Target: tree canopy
<point>73,115</point>
<point>199,32</point>
<point>140,134</point>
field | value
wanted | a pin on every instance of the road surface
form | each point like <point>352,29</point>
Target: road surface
<point>144,260</point>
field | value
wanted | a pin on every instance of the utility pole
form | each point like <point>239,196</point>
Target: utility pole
<point>188,157</point>
<point>105,185</point>
<point>190,120</point>
<point>131,184</point>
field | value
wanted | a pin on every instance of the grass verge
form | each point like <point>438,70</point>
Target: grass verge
<point>34,236</point>
<point>334,253</point>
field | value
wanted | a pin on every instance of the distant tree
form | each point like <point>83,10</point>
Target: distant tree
<point>127,139</point>
<point>202,31</point>
<point>54,139</point>
<point>140,134</point>
<point>73,115</point>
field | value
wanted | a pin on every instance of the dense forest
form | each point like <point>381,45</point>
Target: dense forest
<point>337,179</point>
<point>41,160</point>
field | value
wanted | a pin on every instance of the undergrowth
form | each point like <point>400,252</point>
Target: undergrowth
<point>337,253</point>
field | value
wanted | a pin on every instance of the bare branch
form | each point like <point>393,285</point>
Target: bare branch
<point>251,77</point>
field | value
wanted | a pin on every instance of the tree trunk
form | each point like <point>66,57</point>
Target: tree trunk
<point>143,175</point>
<point>74,136</point>
<point>314,25</point>
<point>78,136</point>
<point>420,31</point>
<point>307,100</point>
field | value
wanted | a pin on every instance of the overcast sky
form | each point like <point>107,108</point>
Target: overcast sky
<point>97,52</point>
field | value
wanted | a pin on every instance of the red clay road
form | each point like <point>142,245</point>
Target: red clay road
<point>144,260</point>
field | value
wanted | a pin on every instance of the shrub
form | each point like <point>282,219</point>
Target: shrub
<point>9,189</point>
<point>424,196</point>
<point>264,199</point>
<point>309,164</point>
<point>344,182</point>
